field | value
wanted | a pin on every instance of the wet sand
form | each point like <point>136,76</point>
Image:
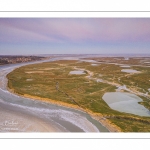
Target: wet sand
<point>13,119</point>
<point>97,116</point>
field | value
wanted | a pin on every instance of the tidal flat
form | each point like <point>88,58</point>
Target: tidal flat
<point>83,91</point>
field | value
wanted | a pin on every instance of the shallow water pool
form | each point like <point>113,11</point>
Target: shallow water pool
<point>125,102</point>
<point>130,71</point>
<point>77,72</point>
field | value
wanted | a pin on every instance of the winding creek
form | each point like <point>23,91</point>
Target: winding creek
<point>18,114</point>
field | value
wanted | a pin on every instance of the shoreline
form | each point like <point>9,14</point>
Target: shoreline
<point>97,116</point>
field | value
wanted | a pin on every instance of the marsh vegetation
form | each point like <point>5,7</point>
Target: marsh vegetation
<point>86,87</point>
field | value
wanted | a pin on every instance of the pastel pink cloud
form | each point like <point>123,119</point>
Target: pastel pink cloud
<point>75,30</point>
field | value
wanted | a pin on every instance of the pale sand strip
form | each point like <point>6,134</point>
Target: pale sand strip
<point>97,116</point>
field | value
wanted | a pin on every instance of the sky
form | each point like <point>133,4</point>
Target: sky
<point>28,36</point>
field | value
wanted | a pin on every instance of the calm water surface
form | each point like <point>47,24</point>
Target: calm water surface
<point>125,102</point>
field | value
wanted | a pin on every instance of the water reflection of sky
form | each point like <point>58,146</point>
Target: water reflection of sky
<point>125,102</point>
<point>78,72</point>
<point>130,71</point>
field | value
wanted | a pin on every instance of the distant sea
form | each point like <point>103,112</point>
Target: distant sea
<point>94,55</point>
